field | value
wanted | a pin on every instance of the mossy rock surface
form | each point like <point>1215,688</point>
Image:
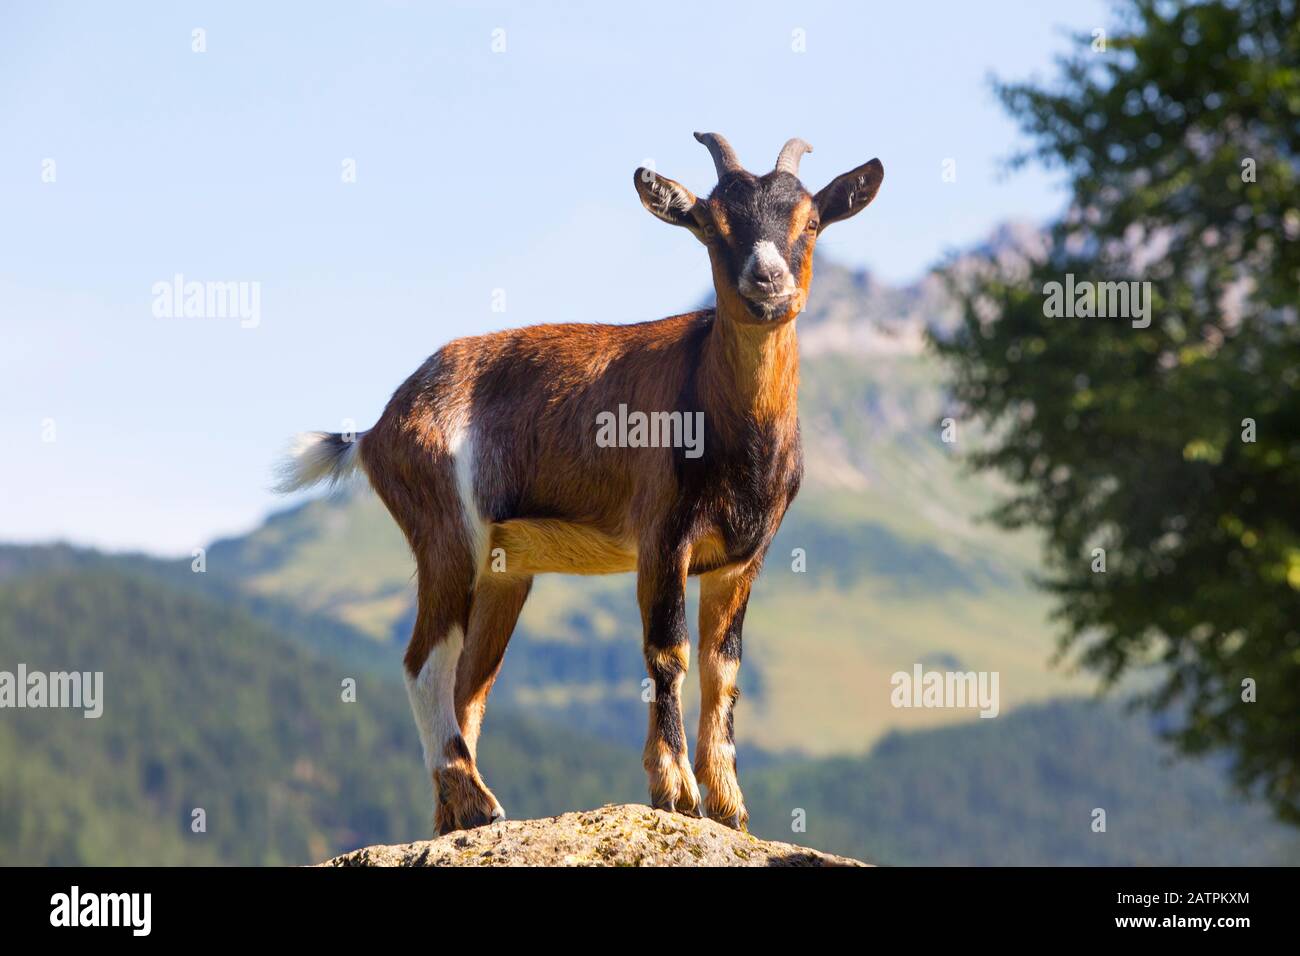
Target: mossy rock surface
<point>626,835</point>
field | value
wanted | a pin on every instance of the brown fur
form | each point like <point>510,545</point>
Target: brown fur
<point>494,610</point>
<point>723,596</point>
<point>566,505</point>
<point>519,410</point>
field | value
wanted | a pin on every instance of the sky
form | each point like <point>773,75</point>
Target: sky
<point>389,176</point>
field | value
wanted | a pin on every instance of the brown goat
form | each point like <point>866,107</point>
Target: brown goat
<point>497,460</point>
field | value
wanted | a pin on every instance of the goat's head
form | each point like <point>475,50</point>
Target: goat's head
<point>759,230</point>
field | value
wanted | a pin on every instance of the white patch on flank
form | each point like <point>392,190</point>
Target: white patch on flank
<point>433,698</point>
<point>462,452</point>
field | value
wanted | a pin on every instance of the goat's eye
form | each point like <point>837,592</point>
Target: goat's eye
<point>708,230</point>
<point>812,225</point>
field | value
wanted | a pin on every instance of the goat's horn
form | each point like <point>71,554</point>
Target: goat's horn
<point>791,153</point>
<point>724,157</point>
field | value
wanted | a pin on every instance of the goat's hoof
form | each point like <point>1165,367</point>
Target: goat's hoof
<point>673,788</point>
<point>685,804</point>
<point>481,815</point>
<point>468,821</point>
<point>737,821</point>
<point>476,818</point>
<point>463,802</point>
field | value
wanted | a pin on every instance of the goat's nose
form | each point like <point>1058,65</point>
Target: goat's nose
<point>766,267</point>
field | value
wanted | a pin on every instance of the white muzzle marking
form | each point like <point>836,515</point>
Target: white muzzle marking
<point>766,260</point>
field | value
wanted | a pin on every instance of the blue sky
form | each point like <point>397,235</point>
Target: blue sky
<point>476,171</point>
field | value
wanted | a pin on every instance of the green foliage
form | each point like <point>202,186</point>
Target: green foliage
<point>205,707</point>
<point>1020,791</point>
<point>1133,439</point>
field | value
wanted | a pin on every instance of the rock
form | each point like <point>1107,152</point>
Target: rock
<point>627,835</point>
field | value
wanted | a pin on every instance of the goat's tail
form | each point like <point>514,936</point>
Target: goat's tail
<point>319,456</point>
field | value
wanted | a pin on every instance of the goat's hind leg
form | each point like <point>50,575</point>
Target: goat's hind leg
<point>433,657</point>
<point>494,611</point>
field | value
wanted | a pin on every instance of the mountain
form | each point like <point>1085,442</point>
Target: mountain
<point>899,569</point>
<point>206,705</point>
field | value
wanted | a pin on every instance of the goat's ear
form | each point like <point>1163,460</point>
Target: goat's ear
<point>849,194</point>
<point>667,200</point>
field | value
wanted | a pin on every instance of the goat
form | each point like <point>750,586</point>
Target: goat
<point>488,459</point>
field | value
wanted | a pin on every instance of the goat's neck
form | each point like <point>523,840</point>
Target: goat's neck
<point>751,370</point>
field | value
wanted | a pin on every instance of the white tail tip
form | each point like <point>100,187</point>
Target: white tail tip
<point>319,456</point>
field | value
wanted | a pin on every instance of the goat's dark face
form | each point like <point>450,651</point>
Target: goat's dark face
<point>760,230</point>
<point>760,233</point>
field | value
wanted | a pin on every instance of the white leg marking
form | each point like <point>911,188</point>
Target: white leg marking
<point>433,699</point>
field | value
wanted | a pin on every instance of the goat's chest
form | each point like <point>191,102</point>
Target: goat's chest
<point>741,485</point>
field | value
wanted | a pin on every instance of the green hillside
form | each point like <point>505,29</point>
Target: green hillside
<point>1020,791</point>
<point>207,706</point>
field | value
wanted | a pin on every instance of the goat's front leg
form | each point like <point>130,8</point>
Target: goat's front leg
<point>661,592</point>
<point>723,597</point>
